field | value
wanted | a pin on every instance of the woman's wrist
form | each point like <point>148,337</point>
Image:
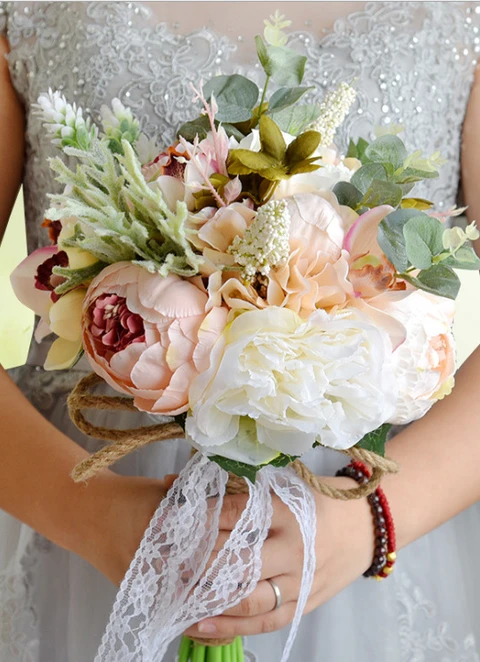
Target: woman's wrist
<point>345,535</point>
<point>115,512</point>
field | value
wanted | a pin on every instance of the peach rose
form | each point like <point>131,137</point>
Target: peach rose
<point>149,336</point>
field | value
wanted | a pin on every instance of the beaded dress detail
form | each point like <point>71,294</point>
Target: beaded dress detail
<point>412,64</point>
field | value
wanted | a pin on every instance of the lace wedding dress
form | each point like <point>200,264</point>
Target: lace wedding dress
<point>413,64</point>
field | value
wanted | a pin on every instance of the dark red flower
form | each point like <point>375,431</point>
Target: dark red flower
<point>45,279</point>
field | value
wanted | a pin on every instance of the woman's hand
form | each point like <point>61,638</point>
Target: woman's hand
<point>344,549</point>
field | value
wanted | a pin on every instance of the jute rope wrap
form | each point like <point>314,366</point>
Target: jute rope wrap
<point>123,442</point>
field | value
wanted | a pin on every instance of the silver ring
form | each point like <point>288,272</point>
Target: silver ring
<point>278,595</point>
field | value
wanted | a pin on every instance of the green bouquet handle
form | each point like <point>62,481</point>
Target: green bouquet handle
<point>191,651</point>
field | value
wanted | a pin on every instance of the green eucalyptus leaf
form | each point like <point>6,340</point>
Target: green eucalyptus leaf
<point>375,441</point>
<point>262,53</point>
<point>228,112</point>
<point>412,175</point>
<point>423,240</point>
<point>382,193</point>
<point>464,258</point>
<point>286,97</point>
<point>348,195</point>
<point>362,179</point>
<point>357,150</point>
<point>391,239</point>
<point>303,146</point>
<point>295,119</point>
<point>439,279</point>
<point>231,92</point>
<point>271,139</point>
<point>197,127</point>
<point>283,64</point>
<point>387,149</point>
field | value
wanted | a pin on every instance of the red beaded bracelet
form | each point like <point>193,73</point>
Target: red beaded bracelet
<point>385,544</point>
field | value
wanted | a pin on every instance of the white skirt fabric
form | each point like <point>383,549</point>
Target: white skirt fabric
<point>54,606</point>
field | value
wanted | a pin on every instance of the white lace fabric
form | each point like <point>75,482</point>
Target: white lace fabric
<point>166,589</point>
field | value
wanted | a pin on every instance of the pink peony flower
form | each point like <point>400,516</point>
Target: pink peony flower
<point>149,336</point>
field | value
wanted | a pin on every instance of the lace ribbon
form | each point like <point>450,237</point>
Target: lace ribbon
<point>166,589</point>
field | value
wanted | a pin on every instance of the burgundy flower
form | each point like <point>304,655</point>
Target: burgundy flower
<point>113,326</point>
<point>54,229</point>
<point>45,279</point>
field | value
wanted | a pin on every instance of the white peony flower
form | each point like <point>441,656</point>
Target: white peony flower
<point>322,179</point>
<point>328,379</point>
<point>424,364</point>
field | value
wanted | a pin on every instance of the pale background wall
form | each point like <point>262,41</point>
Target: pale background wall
<point>16,321</point>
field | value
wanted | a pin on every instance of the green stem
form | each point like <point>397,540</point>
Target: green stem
<point>260,111</point>
<point>184,650</point>
<point>214,654</point>
<point>199,651</point>
<point>227,653</point>
<point>239,645</point>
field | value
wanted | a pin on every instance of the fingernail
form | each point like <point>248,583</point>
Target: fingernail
<point>207,627</point>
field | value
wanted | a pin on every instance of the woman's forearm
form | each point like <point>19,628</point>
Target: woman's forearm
<point>439,457</point>
<point>35,484</point>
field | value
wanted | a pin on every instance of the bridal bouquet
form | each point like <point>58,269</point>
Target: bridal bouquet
<point>270,293</point>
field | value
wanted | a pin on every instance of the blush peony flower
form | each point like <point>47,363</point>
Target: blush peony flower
<point>315,273</point>
<point>149,336</point>
<point>424,364</point>
<point>327,379</point>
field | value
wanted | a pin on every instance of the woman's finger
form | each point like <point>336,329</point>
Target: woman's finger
<point>234,626</point>
<point>263,600</point>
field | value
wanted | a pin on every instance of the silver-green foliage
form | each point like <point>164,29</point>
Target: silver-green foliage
<point>120,217</point>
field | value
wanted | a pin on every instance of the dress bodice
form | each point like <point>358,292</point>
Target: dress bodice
<point>411,62</point>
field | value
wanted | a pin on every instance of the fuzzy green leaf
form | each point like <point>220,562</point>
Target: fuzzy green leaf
<point>439,279</point>
<point>271,139</point>
<point>375,441</point>
<point>244,162</point>
<point>423,240</point>
<point>76,277</point>
<point>302,147</point>
<point>387,149</point>
<point>307,165</point>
